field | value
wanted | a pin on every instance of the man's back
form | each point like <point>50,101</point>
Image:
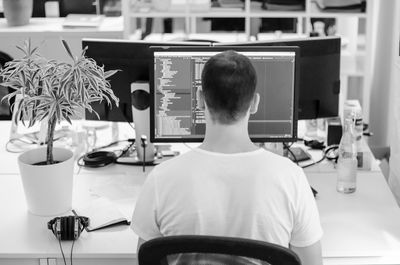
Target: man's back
<point>255,195</point>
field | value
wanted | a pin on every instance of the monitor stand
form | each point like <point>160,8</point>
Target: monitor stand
<point>145,156</point>
<point>135,158</point>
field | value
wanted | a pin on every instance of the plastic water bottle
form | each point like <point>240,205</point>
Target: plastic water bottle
<point>347,160</point>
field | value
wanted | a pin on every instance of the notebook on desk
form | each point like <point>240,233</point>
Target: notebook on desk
<point>82,21</point>
<point>102,213</point>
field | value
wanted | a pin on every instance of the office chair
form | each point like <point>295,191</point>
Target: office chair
<point>213,250</point>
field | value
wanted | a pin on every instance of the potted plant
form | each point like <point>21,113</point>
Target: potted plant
<point>17,12</point>
<point>52,91</point>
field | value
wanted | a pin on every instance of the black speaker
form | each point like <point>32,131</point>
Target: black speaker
<point>334,133</point>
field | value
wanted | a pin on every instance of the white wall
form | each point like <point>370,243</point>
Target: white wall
<point>380,81</point>
<point>394,107</point>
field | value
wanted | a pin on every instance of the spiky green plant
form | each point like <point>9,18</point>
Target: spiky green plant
<point>54,90</point>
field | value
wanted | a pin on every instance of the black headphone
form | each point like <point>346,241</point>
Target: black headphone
<point>99,158</point>
<point>68,227</point>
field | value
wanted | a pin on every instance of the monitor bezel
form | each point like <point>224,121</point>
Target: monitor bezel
<point>294,49</point>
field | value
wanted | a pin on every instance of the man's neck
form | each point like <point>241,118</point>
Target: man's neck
<point>228,139</point>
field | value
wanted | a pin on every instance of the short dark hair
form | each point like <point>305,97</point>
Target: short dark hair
<point>229,83</point>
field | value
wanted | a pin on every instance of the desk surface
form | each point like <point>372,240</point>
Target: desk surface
<point>359,228</point>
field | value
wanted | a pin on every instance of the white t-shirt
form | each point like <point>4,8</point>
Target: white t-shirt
<point>257,195</point>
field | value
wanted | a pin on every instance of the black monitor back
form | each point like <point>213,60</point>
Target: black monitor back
<point>79,7</point>
<point>319,74</point>
<point>133,59</point>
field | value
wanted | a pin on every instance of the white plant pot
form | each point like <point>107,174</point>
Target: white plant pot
<point>48,188</point>
<point>17,12</point>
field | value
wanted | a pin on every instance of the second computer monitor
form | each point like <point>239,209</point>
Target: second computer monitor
<point>133,60</point>
<point>176,76</point>
<point>319,84</point>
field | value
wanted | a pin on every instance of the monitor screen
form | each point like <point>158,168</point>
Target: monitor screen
<point>319,63</point>
<point>133,59</point>
<point>176,76</point>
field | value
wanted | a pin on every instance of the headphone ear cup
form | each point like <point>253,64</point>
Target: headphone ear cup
<point>50,224</point>
<point>85,222</point>
<point>64,228</point>
<point>71,227</point>
<point>78,222</point>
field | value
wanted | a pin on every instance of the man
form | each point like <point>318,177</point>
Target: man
<point>228,186</point>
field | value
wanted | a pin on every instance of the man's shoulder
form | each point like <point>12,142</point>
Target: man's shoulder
<point>279,160</point>
<point>176,163</point>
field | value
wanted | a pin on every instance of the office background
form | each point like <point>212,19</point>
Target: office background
<point>368,37</point>
<point>369,56</point>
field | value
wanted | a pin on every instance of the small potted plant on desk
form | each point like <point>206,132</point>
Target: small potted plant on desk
<point>52,91</point>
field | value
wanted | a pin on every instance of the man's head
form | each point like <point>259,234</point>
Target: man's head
<point>229,82</point>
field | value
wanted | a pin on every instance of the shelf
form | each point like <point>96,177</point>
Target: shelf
<point>257,11</point>
<point>276,14</point>
<point>215,13</point>
<point>220,37</point>
<point>157,14</point>
<point>277,36</point>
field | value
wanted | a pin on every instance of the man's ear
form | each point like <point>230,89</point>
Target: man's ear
<point>254,103</point>
<point>200,99</point>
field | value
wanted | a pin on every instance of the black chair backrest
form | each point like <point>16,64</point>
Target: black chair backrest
<point>196,250</point>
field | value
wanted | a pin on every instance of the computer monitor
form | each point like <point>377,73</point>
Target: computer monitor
<point>79,7</point>
<point>319,74</point>
<point>133,59</point>
<point>176,76</point>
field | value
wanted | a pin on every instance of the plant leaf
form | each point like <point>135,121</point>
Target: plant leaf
<point>65,44</point>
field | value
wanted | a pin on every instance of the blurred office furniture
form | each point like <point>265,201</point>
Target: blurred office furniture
<point>47,32</point>
<point>354,26</point>
<point>80,7</point>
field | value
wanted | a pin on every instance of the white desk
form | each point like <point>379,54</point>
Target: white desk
<point>25,239</point>
<point>360,228</point>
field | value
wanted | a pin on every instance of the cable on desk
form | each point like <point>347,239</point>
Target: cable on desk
<point>126,119</point>
<point>113,143</point>
<point>188,146</point>
<point>290,151</point>
<point>62,252</point>
<point>14,140</point>
<point>316,162</point>
<point>96,159</point>
<point>72,249</point>
<point>330,153</point>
